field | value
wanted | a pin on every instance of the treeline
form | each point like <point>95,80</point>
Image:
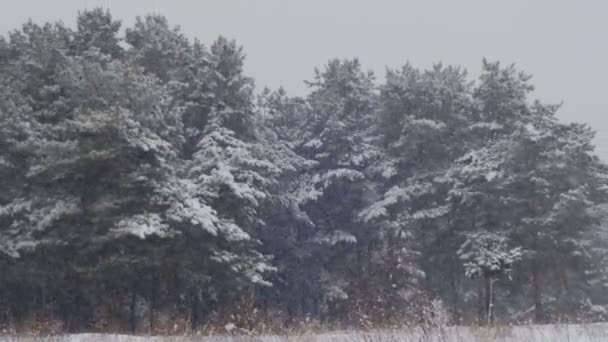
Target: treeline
<point>145,184</point>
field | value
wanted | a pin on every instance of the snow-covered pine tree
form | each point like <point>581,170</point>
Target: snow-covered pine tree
<point>96,142</point>
<point>143,177</point>
<point>238,166</point>
<point>421,120</point>
<point>487,255</point>
<point>525,173</point>
<point>157,47</point>
<point>96,28</point>
<point>554,178</point>
<point>335,135</point>
<point>475,191</point>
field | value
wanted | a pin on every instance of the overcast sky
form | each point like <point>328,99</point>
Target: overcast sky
<point>563,44</point>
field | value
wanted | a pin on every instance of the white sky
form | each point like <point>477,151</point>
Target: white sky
<point>563,44</point>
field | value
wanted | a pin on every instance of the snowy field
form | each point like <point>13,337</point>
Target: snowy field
<point>548,333</point>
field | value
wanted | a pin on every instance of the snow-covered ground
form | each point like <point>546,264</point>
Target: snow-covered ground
<point>533,333</point>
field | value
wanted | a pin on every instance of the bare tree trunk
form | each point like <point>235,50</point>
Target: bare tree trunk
<point>132,310</point>
<point>151,314</point>
<point>539,315</point>
<point>360,264</point>
<point>490,300</point>
<point>370,249</point>
<point>480,301</point>
<point>194,310</point>
<point>455,298</point>
<point>487,285</point>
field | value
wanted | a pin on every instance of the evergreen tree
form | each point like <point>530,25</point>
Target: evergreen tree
<point>97,29</point>
<point>149,178</point>
<point>422,117</point>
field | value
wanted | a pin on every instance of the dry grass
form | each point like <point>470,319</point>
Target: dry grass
<point>532,333</point>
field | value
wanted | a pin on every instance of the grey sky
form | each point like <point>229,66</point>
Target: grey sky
<point>564,44</point>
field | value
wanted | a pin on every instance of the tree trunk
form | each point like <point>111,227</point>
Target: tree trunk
<point>65,315</point>
<point>43,297</point>
<point>370,249</point>
<point>539,315</point>
<point>454,295</point>
<point>70,306</point>
<point>490,295</point>
<point>359,250</point>
<point>151,314</point>
<point>132,311</point>
<point>487,286</point>
<point>194,310</point>
<point>480,301</point>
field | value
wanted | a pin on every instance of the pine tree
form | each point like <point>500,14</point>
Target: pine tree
<point>97,29</point>
<point>335,136</point>
<point>158,48</point>
<point>421,121</point>
<point>148,177</point>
